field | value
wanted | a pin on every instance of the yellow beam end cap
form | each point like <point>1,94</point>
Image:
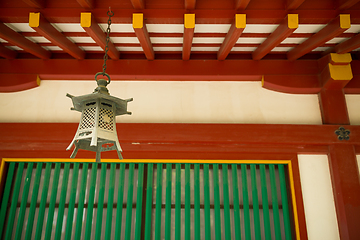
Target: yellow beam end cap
<point>345,21</point>
<point>240,20</point>
<point>85,19</point>
<point>38,80</point>
<point>293,21</point>
<point>138,20</point>
<point>34,19</point>
<point>189,20</point>
<point>341,58</point>
<point>340,72</point>
<point>262,80</point>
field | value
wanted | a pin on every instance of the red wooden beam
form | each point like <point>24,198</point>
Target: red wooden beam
<point>294,4</point>
<point>349,45</point>
<point>346,189</point>
<point>143,35</point>
<point>241,4</point>
<point>86,3</point>
<point>138,4</point>
<point>190,4</point>
<point>44,28</point>
<point>33,136</point>
<point>346,4</point>
<point>18,82</point>
<point>35,3</point>
<point>285,29</point>
<point>294,84</point>
<point>18,40</point>
<point>6,52</point>
<point>189,27</point>
<point>334,28</point>
<point>236,29</point>
<point>200,70</point>
<point>92,28</point>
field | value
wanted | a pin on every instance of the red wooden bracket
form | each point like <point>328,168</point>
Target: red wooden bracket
<point>18,40</point>
<point>241,4</point>
<point>190,4</point>
<point>346,4</point>
<point>189,27</point>
<point>35,3</point>
<point>44,28</point>
<point>294,4</point>
<point>294,84</point>
<point>349,45</point>
<point>236,29</point>
<point>138,4</point>
<point>346,189</point>
<point>7,53</point>
<point>285,29</point>
<point>143,35</point>
<point>334,28</point>
<point>18,82</point>
<point>92,28</point>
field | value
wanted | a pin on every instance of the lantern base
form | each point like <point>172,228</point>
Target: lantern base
<point>102,146</point>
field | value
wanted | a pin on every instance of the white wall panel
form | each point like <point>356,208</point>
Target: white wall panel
<point>167,102</point>
<point>353,106</point>
<point>320,215</point>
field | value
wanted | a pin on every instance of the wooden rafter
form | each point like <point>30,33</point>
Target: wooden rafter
<point>189,27</point>
<point>236,29</point>
<point>35,3</point>
<point>86,3</point>
<point>44,28</point>
<point>138,4</point>
<point>241,4</point>
<point>285,29</point>
<point>143,35</point>
<point>92,28</point>
<point>7,53</point>
<point>294,4</point>
<point>333,29</point>
<point>190,4</point>
<point>18,40</point>
<point>349,45</point>
<point>346,4</point>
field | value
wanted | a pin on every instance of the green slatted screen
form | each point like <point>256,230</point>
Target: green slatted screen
<point>145,201</point>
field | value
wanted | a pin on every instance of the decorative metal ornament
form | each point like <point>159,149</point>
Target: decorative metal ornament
<point>343,133</point>
<point>97,129</point>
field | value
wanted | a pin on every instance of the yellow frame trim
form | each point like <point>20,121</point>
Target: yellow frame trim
<point>288,162</point>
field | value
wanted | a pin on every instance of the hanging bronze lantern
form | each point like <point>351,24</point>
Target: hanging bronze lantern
<point>97,129</point>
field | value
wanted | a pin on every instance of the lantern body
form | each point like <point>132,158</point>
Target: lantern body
<point>97,128</point>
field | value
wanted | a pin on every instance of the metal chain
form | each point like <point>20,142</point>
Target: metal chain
<point>110,14</point>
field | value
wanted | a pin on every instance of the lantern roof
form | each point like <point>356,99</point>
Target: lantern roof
<point>80,102</point>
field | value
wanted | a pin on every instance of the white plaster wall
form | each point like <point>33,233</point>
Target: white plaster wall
<point>167,102</point>
<point>353,106</point>
<point>318,197</point>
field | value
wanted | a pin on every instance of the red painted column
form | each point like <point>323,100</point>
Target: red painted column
<point>346,188</point>
<point>342,158</point>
